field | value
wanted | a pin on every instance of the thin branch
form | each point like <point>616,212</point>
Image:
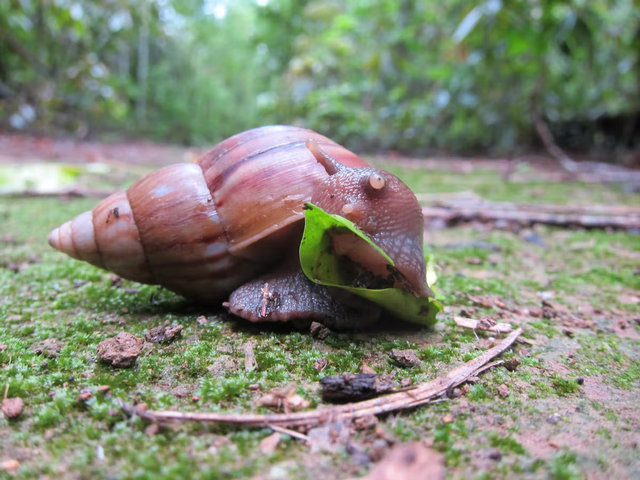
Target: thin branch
<point>421,395</point>
<point>486,367</point>
<point>554,150</point>
<point>545,134</point>
<point>291,433</point>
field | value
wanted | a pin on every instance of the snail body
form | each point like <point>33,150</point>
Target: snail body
<point>204,229</point>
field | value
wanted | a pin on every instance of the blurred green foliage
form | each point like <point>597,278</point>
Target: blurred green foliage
<point>373,74</point>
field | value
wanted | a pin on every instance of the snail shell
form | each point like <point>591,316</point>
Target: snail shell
<point>203,229</point>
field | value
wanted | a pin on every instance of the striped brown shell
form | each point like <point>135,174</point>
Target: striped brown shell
<point>203,229</point>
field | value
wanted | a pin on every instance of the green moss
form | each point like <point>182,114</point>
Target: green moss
<point>477,393</point>
<point>564,386</point>
<point>563,467</point>
<point>540,389</point>
<point>436,354</point>
<point>506,444</point>
<point>629,378</point>
<point>544,327</point>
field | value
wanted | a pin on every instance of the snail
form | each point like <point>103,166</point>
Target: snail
<point>229,225</point>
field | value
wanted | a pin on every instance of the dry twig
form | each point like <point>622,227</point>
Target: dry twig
<point>420,395</point>
<point>250,363</point>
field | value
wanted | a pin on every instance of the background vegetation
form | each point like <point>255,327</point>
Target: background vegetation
<point>374,74</point>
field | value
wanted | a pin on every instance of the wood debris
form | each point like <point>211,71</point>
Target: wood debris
<point>355,386</point>
<point>485,324</point>
<point>452,210</point>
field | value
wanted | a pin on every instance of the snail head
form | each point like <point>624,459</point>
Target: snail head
<point>386,210</point>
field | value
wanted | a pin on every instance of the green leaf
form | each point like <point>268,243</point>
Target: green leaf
<point>321,265</point>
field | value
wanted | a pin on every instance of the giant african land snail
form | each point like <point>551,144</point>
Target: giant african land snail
<point>230,224</point>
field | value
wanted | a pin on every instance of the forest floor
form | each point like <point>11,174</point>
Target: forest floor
<point>568,411</point>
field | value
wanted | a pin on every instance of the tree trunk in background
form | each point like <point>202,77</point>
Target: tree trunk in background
<point>143,65</point>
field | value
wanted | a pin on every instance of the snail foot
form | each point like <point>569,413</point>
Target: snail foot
<point>288,295</point>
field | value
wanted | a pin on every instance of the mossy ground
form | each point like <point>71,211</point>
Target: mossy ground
<point>549,425</point>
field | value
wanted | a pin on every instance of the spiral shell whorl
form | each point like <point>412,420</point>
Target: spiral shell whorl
<point>106,237</point>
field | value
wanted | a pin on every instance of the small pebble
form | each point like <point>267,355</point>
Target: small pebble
<point>494,454</point>
<point>555,418</point>
<point>10,465</point>
<point>405,382</point>
<point>512,364</point>
<point>405,358</point>
<point>378,450</point>
<point>12,407</point>
<point>319,331</point>
<point>84,396</point>
<point>447,418</point>
<point>503,390</point>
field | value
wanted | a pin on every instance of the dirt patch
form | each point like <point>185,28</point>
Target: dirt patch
<point>50,348</point>
<point>28,148</point>
<point>627,326</point>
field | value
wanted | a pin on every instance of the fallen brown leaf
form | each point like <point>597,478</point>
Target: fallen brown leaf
<point>366,369</point>
<point>320,364</point>
<point>285,398</point>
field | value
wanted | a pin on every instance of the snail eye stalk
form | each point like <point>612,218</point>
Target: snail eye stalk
<point>376,181</point>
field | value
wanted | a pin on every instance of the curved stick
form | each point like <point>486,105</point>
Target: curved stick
<point>420,395</point>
